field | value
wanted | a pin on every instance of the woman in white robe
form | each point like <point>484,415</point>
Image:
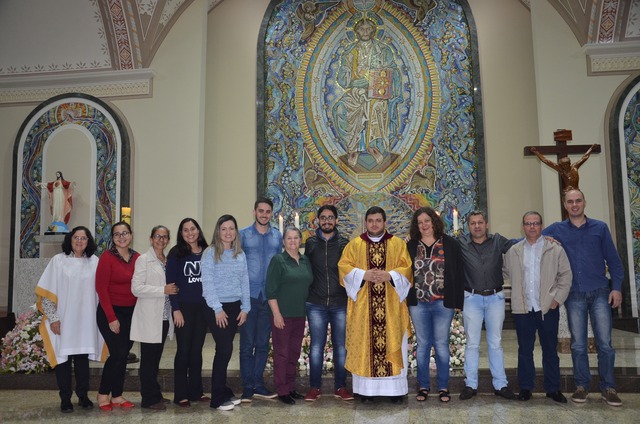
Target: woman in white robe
<point>67,298</point>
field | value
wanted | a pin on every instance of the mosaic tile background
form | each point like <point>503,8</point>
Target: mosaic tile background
<point>430,155</point>
<point>632,136</point>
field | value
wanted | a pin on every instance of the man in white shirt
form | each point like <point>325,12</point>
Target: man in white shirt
<point>540,277</point>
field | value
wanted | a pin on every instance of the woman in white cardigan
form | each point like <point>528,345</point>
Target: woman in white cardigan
<point>151,321</point>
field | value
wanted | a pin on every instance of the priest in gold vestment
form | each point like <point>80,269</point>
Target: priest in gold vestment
<point>375,269</point>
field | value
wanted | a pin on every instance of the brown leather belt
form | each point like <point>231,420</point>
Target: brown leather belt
<point>488,292</point>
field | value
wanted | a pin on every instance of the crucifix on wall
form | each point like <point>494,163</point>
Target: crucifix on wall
<point>567,171</point>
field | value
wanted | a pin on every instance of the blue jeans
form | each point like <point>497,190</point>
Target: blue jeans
<point>489,309</point>
<point>319,316</point>
<point>432,323</point>
<point>595,305</point>
<point>254,344</point>
<point>526,326</point>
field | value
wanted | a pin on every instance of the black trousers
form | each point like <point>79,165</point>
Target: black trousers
<point>150,354</point>
<point>115,367</point>
<point>63,376</point>
<point>187,365</point>
<point>223,337</point>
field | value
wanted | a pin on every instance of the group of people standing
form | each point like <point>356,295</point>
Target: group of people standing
<point>368,290</point>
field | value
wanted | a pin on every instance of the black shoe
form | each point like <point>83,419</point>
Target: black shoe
<point>557,397</point>
<point>66,406</point>
<point>524,394</point>
<point>84,402</point>
<point>287,399</point>
<point>505,392</point>
<point>366,399</point>
<point>296,395</point>
<point>396,399</point>
<point>467,393</point>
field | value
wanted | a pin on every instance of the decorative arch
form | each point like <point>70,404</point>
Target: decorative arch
<point>110,168</point>
<point>624,145</point>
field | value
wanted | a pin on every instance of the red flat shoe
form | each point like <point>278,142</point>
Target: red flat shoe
<point>125,404</point>
<point>184,403</point>
<point>204,398</point>
<point>104,406</point>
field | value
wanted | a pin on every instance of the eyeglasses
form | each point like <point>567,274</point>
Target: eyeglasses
<point>160,237</point>
<point>325,218</point>
<point>81,238</point>
<point>532,224</point>
<point>121,235</point>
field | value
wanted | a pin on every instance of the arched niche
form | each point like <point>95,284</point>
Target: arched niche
<point>84,138</point>
<point>624,147</point>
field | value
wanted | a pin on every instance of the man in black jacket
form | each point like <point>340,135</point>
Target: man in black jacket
<point>327,303</point>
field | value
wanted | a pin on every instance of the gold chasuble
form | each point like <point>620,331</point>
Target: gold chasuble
<point>377,317</point>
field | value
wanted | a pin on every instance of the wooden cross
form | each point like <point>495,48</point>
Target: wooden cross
<point>567,173</point>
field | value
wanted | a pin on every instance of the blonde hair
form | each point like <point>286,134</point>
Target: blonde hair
<point>216,243</point>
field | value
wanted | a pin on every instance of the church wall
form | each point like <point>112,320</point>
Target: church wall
<point>230,147</point>
<point>167,132</point>
<point>10,121</point>
<point>569,98</point>
<point>510,116</point>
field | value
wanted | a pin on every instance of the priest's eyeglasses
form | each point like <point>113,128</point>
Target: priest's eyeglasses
<point>329,218</point>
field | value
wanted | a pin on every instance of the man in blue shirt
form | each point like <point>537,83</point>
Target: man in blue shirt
<point>591,251</point>
<point>260,242</point>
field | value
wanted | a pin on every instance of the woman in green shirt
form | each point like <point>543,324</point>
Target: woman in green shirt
<point>288,279</point>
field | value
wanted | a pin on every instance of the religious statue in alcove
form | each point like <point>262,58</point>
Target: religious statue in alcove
<point>60,203</point>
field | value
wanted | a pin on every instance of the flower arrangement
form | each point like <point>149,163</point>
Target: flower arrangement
<point>23,348</point>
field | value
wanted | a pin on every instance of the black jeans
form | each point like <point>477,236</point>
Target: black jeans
<point>150,354</point>
<point>223,337</point>
<point>63,376</point>
<point>187,365</point>
<point>119,346</point>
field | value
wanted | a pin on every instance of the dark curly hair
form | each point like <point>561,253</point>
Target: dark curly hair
<point>436,221</point>
<point>91,243</point>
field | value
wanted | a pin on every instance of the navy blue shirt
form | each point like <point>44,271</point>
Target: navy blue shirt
<point>590,250</point>
<point>186,273</point>
<point>259,249</point>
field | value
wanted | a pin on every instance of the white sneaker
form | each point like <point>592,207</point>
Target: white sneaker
<point>236,401</point>
<point>227,406</point>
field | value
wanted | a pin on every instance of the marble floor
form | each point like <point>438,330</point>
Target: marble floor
<point>31,406</point>
<point>28,406</point>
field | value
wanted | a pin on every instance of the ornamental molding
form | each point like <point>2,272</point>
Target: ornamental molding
<point>107,84</point>
<point>623,57</point>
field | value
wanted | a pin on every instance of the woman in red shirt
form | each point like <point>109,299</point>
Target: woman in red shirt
<point>113,284</point>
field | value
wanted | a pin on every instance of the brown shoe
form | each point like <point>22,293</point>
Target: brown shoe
<point>160,406</point>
